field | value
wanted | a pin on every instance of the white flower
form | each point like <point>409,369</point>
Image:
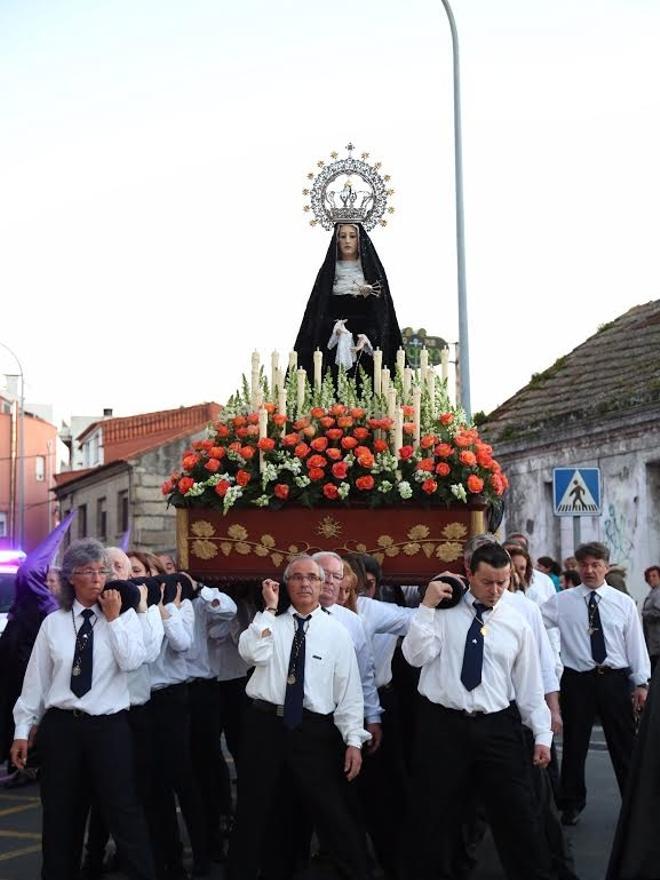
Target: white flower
<point>349,459</point>
<point>231,497</point>
<point>291,463</point>
<point>405,489</point>
<point>262,501</point>
<point>302,481</point>
<point>195,490</point>
<point>420,476</point>
<point>232,455</point>
<point>213,480</point>
<point>458,491</point>
<point>385,486</point>
<point>343,490</point>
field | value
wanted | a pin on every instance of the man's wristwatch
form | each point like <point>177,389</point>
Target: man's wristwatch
<point>274,610</point>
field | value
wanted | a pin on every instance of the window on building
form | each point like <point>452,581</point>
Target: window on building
<point>122,511</point>
<point>40,468</point>
<point>3,524</point>
<point>82,521</point>
<point>101,519</point>
<point>92,449</point>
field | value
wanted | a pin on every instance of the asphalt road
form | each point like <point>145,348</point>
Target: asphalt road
<point>20,823</point>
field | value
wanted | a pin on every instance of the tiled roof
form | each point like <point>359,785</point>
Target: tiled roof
<point>128,436</point>
<point>615,370</point>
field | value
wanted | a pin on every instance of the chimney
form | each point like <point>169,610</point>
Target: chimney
<point>107,413</point>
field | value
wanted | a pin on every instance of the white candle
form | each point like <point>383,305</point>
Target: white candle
<point>417,403</point>
<point>378,366</point>
<point>263,432</point>
<point>391,403</point>
<point>424,359</point>
<point>318,368</point>
<point>407,382</point>
<point>430,384</point>
<point>384,381</point>
<point>274,369</point>
<point>293,361</point>
<point>400,361</point>
<point>398,431</point>
<point>444,362</point>
<point>281,403</point>
<point>300,399</point>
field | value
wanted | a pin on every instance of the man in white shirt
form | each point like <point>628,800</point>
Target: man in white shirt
<point>604,656</point>
<point>304,726</point>
<point>476,658</point>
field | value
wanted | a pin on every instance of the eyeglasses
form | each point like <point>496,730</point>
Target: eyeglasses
<point>299,578</point>
<point>333,576</point>
<point>90,573</point>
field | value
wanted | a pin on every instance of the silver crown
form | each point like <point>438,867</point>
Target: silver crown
<point>348,203</point>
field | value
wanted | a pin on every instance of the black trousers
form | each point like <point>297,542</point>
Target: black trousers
<point>456,757</point>
<point>311,760</point>
<point>174,775</point>
<point>384,787</point>
<point>204,698</point>
<point>83,756</point>
<point>233,705</point>
<point>584,695</point>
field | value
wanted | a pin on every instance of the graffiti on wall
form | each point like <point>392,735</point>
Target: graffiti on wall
<point>615,527</point>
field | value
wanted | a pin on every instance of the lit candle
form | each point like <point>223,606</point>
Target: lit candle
<point>318,368</point>
<point>444,362</point>
<point>400,361</point>
<point>300,399</point>
<point>263,432</point>
<point>423,359</point>
<point>407,382</point>
<point>417,404</point>
<point>378,366</point>
<point>293,361</point>
<point>398,431</point>
<point>274,369</point>
<point>391,403</point>
<point>384,381</point>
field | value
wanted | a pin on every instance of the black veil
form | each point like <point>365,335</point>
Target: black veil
<point>374,316</point>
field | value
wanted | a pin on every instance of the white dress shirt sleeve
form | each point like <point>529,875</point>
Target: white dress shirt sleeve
<point>422,644</point>
<point>547,658</point>
<point>638,655</point>
<point>179,626</point>
<point>367,668</point>
<point>153,632</point>
<point>29,707</point>
<point>126,641</point>
<point>347,691</point>
<point>256,642</point>
<point>219,606</point>
<point>550,612</point>
<point>385,617</point>
<point>526,678</point>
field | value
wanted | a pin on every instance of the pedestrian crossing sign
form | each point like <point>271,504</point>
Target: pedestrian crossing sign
<point>576,491</point>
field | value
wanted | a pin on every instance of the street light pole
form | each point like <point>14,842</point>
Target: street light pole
<point>20,536</point>
<point>464,347</point>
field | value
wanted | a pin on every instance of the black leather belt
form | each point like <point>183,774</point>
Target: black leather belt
<point>274,709</point>
<point>599,670</point>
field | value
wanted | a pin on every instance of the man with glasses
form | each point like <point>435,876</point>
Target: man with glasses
<point>303,730</point>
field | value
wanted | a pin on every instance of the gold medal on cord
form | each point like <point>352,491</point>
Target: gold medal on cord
<point>484,630</point>
<point>291,679</point>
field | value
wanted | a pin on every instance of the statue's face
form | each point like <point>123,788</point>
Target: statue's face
<point>347,242</point>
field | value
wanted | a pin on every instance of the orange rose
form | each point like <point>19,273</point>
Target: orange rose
<point>316,473</point>
<point>235,446</point>
<point>301,450</point>
<point>427,441</point>
<point>281,491</point>
<point>380,446</point>
<point>222,431</point>
<point>409,427</point>
<point>442,469</point>
<point>340,470</point>
<point>475,484</point>
<point>486,448</point>
<point>348,443</point>
<point>408,411</point>
<point>429,486</point>
<point>279,420</point>
<point>320,444</point>
<point>361,434</point>
<point>345,422</point>
<point>243,477</point>
<point>443,450</point>
<point>309,431</point>
<point>198,444</point>
<point>469,459</point>
<point>189,461</point>
<point>334,433</point>
<point>269,407</point>
<point>334,454</point>
<point>253,419</point>
<point>317,412</point>
<point>212,465</point>
<point>446,418</point>
<point>238,421</point>
<point>316,461</point>
<point>217,451</point>
<point>357,412</point>
<point>366,459</point>
<point>299,424</point>
<point>247,452</point>
<point>326,422</point>
<point>330,491</point>
<point>184,484</point>
<point>338,409</point>
<point>406,452</point>
<point>167,487</point>
<point>245,431</point>
<point>426,464</point>
<point>462,439</point>
<point>484,460</point>
<point>266,444</point>
<point>496,483</point>
<point>290,439</point>
<point>221,488</point>
<point>365,484</point>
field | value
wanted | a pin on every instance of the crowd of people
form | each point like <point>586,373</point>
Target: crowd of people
<point>373,730</point>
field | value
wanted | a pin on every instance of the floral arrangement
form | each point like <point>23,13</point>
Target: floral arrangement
<point>339,443</point>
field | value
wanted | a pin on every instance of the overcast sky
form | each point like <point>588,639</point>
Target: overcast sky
<point>153,155</point>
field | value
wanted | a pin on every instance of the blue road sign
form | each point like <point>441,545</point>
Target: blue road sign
<point>576,491</point>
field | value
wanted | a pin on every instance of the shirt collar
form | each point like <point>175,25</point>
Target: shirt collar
<point>78,608</point>
<point>587,591</point>
<point>291,611</point>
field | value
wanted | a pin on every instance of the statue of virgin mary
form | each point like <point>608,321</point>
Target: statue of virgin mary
<point>350,311</point>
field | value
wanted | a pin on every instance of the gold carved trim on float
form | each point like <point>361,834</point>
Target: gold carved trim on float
<point>447,547</point>
<point>206,543</point>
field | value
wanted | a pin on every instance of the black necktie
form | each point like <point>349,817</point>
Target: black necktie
<point>473,656</point>
<point>81,671</point>
<point>598,650</point>
<point>295,682</point>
